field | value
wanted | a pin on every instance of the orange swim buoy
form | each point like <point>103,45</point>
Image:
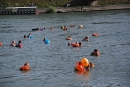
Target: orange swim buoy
<point>0,43</point>
<point>85,62</point>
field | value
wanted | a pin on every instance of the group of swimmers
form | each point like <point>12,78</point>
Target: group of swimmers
<point>14,44</point>
<point>64,28</point>
<point>19,44</point>
<point>41,29</point>
<point>79,65</point>
<point>28,36</point>
<point>84,65</point>
<point>78,44</point>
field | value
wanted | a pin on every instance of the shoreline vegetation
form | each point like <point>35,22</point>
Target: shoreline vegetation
<point>64,6</point>
<point>82,8</point>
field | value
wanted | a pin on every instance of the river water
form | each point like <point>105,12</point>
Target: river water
<point>52,65</point>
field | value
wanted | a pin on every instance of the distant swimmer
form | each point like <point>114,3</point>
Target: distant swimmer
<point>13,43</point>
<point>25,36</point>
<point>25,67</point>
<point>91,64</point>
<point>71,25</point>
<point>95,53</point>
<point>46,41</point>
<point>86,38</point>
<point>30,35</point>
<point>64,28</point>
<point>80,26</point>
<point>51,28</point>
<point>95,34</point>
<point>19,44</point>
<point>77,44</point>
<point>41,29</point>
<point>69,38</point>
<point>35,29</point>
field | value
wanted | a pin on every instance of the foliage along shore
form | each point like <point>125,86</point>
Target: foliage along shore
<point>62,6</point>
<point>59,3</point>
<point>83,8</point>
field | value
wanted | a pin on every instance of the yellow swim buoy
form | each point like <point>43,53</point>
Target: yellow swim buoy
<point>85,62</point>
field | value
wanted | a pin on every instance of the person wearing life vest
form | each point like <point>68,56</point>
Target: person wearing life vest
<point>25,67</point>
<point>77,44</point>
<point>79,67</point>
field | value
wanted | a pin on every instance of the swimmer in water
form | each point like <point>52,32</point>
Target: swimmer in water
<point>30,34</point>
<point>86,38</point>
<point>13,43</point>
<point>25,67</point>
<point>19,44</point>
<point>95,53</point>
<point>69,38</point>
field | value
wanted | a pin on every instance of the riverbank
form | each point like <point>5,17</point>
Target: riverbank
<point>85,8</point>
